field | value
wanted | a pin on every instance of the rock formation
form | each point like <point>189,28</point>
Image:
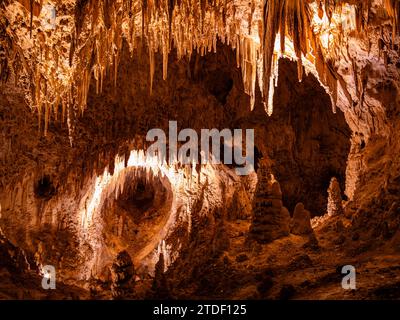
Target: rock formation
<point>241,205</point>
<point>335,206</point>
<point>300,222</point>
<point>159,287</point>
<point>270,218</point>
<point>122,271</point>
<point>83,82</point>
<point>13,258</point>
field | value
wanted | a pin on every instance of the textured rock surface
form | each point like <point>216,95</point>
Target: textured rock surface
<point>335,206</point>
<point>122,271</point>
<point>160,286</point>
<point>270,219</point>
<point>75,190</point>
<point>300,223</point>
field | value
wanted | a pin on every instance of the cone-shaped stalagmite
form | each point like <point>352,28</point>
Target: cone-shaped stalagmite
<point>301,224</point>
<point>335,206</point>
<point>270,218</point>
<point>122,271</point>
<point>241,205</point>
<point>160,289</point>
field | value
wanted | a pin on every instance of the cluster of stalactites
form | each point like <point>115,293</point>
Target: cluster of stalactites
<point>87,37</point>
<point>296,20</point>
<point>160,25</point>
<point>287,18</point>
<point>60,70</point>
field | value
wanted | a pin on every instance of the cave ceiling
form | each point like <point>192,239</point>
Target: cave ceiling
<point>54,48</point>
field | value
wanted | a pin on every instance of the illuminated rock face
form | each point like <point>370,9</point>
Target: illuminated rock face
<point>76,191</point>
<point>67,32</point>
<point>335,206</point>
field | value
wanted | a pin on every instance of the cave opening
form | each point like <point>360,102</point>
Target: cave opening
<point>136,219</point>
<point>44,188</point>
<point>138,200</point>
<point>305,142</point>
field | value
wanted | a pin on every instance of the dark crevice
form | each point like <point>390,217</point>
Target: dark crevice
<point>44,188</point>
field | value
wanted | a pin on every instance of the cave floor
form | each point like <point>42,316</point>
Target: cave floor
<point>288,268</point>
<point>293,268</point>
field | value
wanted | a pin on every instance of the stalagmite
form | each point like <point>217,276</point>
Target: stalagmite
<point>335,206</point>
<point>122,271</point>
<point>300,223</point>
<point>241,206</point>
<point>270,218</point>
<point>160,289</point>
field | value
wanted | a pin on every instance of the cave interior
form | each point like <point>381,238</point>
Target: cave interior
<point>81,84</point>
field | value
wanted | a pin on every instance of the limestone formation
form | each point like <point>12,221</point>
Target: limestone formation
<point>335,206</point>
<point>241,205</point>
<point>160,288</point>
<point>83,83</point>
<point>122,272</point>
<point>12,258</point>
<point>301,223</point>
<point>270,218</point>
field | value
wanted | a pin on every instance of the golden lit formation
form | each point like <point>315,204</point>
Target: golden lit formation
<point>199,149</point>
<point>57,46</point>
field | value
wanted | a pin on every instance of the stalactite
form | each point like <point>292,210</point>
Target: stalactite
<point>152,67</point>
<point>393,10</point>
<point>290,19</point>
<point>247,51</point>
<point>46,119</point>
<point>100,27</point>
<point>69,124</point>
<point>272,10</point>
<point>273,82</point>
<point>31,17</point>
<point>165,53</point>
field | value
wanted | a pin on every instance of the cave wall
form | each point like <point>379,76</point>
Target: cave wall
<point>58,189</point>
